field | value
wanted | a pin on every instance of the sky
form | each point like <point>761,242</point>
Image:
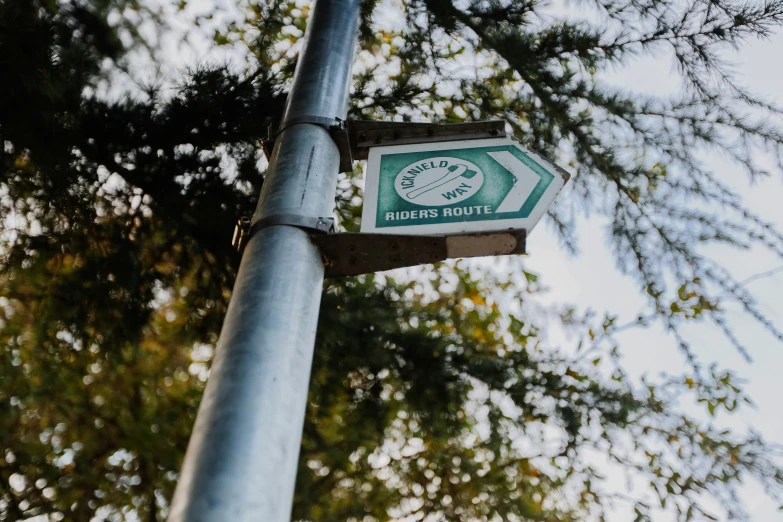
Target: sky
<point>591,279</point>
<point>583,280</point>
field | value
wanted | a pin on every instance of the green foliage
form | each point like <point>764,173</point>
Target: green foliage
<point>432,396</point>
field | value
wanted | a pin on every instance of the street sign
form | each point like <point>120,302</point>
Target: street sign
<point>459,186</point>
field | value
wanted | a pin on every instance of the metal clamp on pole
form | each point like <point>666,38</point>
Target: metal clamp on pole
<point>337,130</point>
<point>244,230</point>
<point>242,459</point>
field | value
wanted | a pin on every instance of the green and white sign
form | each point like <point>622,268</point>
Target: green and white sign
<point>458,186</point>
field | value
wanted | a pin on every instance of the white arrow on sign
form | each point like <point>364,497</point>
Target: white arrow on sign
<point>525,180</point>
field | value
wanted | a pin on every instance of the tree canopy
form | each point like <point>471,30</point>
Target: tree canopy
<point>432,395</point>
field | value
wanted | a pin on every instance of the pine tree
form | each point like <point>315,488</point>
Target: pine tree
<point>116,270</point>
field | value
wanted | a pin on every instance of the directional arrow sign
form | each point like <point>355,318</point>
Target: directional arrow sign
<point>458,186</point>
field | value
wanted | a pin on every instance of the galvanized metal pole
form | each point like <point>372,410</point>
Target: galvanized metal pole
<point>242,458</point>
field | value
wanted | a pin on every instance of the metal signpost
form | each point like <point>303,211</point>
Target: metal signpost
<point>241,461</point>
<point>433,192</point>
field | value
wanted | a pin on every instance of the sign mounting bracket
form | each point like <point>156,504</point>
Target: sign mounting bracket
<point>354,138</point>
<point>350,254</point>
<point>363,135</point>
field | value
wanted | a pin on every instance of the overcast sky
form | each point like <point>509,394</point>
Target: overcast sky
<point>591,279</point>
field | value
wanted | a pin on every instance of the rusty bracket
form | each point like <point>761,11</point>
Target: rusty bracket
<point>354,254</point>
<point>354,139</point>
<point>348,254</point>
<point>364,135</point>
